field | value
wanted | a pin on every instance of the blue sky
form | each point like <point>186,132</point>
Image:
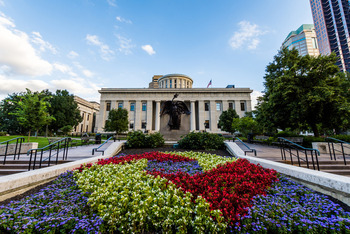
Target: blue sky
<point>84,45</point>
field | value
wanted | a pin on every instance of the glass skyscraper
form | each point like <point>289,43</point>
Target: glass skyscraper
<point>332,24</point>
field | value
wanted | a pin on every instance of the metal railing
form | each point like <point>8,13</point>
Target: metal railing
<point>298,151</point>
<point>248,148</point>
<point>332,150</point>
<point>98,148</point>
<point>54,149</point>
<point>19,141</point>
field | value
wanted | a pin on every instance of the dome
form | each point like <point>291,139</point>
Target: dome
<point>176,81</point>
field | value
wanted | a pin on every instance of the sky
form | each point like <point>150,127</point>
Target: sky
<point>86,45</point>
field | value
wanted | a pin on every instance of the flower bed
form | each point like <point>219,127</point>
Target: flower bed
<point>163,192</point>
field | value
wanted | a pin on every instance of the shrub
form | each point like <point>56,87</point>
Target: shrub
<point>154,140</point>
<point>3,133</point>
<point>286,134</point>
<point>202,140</point>
<point>137,139</point>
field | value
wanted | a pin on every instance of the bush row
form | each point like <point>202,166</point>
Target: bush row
<point>137,139</point>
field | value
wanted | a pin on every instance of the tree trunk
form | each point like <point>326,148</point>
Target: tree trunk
<point>315,130</point>
<point>29,136</point>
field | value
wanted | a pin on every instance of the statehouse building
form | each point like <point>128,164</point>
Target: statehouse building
<point>144,104</point>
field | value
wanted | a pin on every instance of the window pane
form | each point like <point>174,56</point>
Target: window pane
<point>132,107</point>
<point>108,106</point>
<point>206,106</point>
<point>144,106</point>
<point>218,106</point>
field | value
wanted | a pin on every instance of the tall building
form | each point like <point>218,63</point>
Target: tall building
<point>332,24</point>
<point>144,105</point>
<point>88,111</point>
<point>303,39</point>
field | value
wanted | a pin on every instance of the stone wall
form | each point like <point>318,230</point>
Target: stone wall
<point>324,149</point>
<point>24,148</point>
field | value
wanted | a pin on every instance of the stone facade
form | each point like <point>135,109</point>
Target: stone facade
<point>144,105</point>
<point>88,111</point>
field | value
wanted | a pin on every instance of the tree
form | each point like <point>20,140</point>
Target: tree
<point>303,92</point>
<point>64,109</point>
<point>225,120</point>
<point>117,121</point>
<point>32,111</point>
<point>9,122</point>
<point>245,125</point>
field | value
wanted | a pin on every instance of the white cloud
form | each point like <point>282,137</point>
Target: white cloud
<point>65,69</point>
<point>88,73</point>
<point>9,85</point>
<point>105,52</point>
<point>254,97</point>
<point>121,19</point>
<point>43,45</point>
<point>2,3</point>
<point>17,53</point>
<point>248,36</point>
<point>125,45</point>
<point>78,86</point>
<point>112,3</point>
<point>148,49</point>
<point>72,55</point>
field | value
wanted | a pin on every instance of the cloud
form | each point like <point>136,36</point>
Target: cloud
<point>254,96</point>
<point>125,45</point>
<point>105,52</point>
<point>120,19</point>
<point>14,86</point>
<point>79,87</point>
<point>72,55</point>
<point>88,73</point>
<point>17,53</point>
<point>2,3</point>
<point>247,36</point>
<point>65,69</point>
<point>43,45</point>
<point>112,3</point>
<point>148,49</point>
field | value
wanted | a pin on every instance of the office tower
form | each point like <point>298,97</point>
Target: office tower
<point>303,39</point>
<point>332,23</point>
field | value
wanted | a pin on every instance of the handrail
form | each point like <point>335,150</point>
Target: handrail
<point>287,145</point>
<point>19,140</point>
<point>249,149</point>
<point>53,146</point>
<point>97,149</point>
<point>333,150</point>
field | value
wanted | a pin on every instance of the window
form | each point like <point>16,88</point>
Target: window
<point>231,106</point>
<point>144,106</point>
<point>218,106</point>
<point>143,125</point>
<point>206,124</point>
<point>206,106</point>
<point>131,125</point>
<point>82,116</point>
<point>108,106</point>
<point>242,106</point>
<point>88,117</point>
<point>171,84</point>
<point>87,128</point>
<point>132,106</point>
<point>175,84</point>
<point>120,105</point>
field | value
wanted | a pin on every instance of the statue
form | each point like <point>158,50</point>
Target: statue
<point>174,109</point>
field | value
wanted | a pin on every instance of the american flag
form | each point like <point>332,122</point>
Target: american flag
<point>209,84</point>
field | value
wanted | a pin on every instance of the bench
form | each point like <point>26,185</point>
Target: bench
<point>297,140</point>
<point>260,139</point>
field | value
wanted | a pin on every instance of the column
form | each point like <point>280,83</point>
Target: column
<point>201,115</point>
<point>238,108</point>
<point>213,118</point>
<point>193,116</point>
<point>149,115</point>
<point>137,123</point>
<point>224,105</point>
<point>113,105</point>
<point>126,106</point>
<point>157,122</point>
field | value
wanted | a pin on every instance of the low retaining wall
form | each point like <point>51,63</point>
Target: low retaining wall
<point>20,181</point>
<point>24,148</point>
<point>333,185</point>
<point>324,149</point>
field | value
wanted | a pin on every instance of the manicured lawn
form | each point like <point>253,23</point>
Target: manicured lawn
<point>189,192</point>
<point>41,140</point>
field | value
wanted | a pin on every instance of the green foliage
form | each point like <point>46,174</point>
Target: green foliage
<point>66,129</point>
<point>64,109</point>
<point>131,201</point>
<point>286,134</point>
<point>303,92</point>
<point>117,121</point>
<point>32,111</point>
<point>9,122</point>
<point>3,133</point>
<point>154,140</point>
<point>225,120</point>
<point>201,140</point>
<point>245,125</point>
<point>137,139</point>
